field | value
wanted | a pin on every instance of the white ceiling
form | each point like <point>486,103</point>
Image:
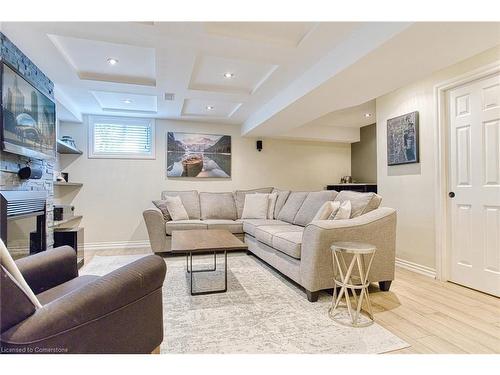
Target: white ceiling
<point>378,58</point>
<point>89,60</point>
<point>288,76</point>
<point>208,75</point>
<point>127,102</point>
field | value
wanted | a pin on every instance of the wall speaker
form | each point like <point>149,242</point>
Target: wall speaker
<point>259,146</point>
<point>30,173</point>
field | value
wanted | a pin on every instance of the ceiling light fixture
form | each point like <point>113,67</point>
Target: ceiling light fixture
<point>228,75</point>
<point>210,107</point>
<point>112,61</point>
<point>127,101</point>
<point>368,115</point>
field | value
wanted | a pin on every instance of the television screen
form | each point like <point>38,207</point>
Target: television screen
<point>28,118</point>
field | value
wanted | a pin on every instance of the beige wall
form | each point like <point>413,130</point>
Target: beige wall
<point>115,191</point>
<point>410,188</point>
<point>364,155</point>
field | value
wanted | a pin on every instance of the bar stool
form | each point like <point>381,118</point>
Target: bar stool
<point>347,279</point>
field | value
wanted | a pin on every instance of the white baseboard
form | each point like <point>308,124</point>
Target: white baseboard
<point>415,267</point>
<point>116,245</point>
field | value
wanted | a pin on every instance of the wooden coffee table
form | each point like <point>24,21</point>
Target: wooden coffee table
<point>205,241</point>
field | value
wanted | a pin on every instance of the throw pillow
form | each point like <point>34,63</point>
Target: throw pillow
<point>10,266</point>
<point>162,206</point>
<point>326,210</point>
<point>256,206</point>
<point>272,198</point>
<point>344,212</point>
<point>176,208</point>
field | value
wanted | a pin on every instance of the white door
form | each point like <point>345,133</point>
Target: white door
<point>474,180</point>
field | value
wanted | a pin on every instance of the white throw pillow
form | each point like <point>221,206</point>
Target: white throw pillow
<point>176,208</point>
<point>256,206</point>
<point>8,263</point>
<point>326,210</point>
<point>344,212</point>
<point>272,198</point>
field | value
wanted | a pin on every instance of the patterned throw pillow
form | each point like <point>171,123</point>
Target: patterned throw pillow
<point>162,206</point>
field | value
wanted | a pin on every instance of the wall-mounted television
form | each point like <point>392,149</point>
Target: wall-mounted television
<point>27,117</point>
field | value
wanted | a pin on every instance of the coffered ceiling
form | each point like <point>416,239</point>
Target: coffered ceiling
<point>187,59</point>
<point>279,79</point>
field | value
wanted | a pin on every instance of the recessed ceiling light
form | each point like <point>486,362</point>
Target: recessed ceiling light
<point>127,101</point>
<point>228,75</point>
<point>368,115</point>
<point>210,107</point>
<point>112,61</point>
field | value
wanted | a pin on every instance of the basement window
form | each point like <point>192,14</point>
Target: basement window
<point>121,138</point>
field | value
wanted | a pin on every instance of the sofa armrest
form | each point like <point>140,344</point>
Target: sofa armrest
<point>48,269</point>
<point>155,224</point>
<point>102,316</point>
<point>377,227</point>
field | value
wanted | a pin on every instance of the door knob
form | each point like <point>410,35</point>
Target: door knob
<point>451,194</point>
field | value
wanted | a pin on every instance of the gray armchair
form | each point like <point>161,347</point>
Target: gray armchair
<point>120,312</point>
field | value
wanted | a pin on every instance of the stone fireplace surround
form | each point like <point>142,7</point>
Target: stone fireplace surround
<point>11,163</point>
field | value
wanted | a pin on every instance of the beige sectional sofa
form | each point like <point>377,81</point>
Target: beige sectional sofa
<point>291,242</point>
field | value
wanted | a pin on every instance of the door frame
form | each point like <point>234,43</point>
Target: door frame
<point>442,229</point>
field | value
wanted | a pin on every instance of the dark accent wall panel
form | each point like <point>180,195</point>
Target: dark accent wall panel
<point>364,155</point>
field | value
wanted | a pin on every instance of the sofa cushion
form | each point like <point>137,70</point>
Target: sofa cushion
<point>312,204</point>
<point>249,225</point>
<point>292,206</point>
<point>280,200</point>
<point>217,206</point>
<point>190,199</point>
<point>361,203</point>
<point>184,225</point>
<point>265,233</point>
<point>289,243</point>
<point>235,227</point>
<point>239,197</point>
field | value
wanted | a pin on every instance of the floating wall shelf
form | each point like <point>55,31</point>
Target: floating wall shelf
<point>75,184</point>
<point>64,148</point>
<point>60,223</point>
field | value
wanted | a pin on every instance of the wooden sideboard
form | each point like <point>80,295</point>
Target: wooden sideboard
<point>363,188</point>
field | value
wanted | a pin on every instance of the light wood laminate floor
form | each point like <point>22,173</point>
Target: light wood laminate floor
<point>432,316</point>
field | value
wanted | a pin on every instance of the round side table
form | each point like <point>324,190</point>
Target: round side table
<point>353,277</point>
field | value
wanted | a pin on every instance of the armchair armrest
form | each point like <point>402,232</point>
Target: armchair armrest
<point>155,224</point>
<point>119,312</point>
<point>49,268</point>
<point>377,227</point>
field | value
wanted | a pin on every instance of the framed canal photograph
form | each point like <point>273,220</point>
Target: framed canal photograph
<point>198,155</point>
<point>402,139</point>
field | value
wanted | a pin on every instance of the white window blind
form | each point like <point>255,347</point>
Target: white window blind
<point>121,138</point>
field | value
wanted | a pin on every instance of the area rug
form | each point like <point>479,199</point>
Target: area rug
<point>262,312</point>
